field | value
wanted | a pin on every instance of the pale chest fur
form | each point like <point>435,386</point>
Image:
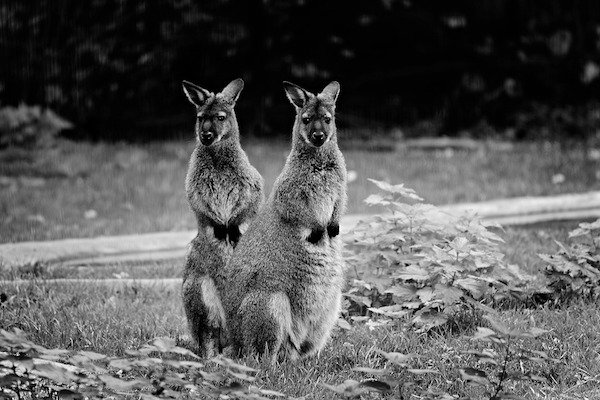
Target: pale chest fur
<point>217,190</point>
<point>328,185</point>
<point>221,194</point>
<point>316,307</point>
<point>309,193</point>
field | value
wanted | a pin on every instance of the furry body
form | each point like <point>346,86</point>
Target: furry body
<point>225,192</point>
<point>288,288</point>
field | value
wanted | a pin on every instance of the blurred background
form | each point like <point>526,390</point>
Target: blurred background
<point>521,69</point>
<point>461,100</point>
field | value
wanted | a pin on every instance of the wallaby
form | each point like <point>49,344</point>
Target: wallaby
<point>286,274</point>
<point>225,192</point>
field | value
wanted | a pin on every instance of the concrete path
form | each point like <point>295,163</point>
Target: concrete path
<point>172,245</point>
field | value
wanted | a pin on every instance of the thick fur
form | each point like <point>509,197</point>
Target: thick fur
<point>201,299</point>
<point>287,270</point>
<point>225,192</point>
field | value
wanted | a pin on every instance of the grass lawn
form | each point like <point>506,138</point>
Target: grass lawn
<point>110,320</point>
<point>139,188</point>
<point>85,190</point>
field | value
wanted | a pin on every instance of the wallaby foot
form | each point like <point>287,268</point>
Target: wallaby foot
<point>315,235</point>
<point>210,341</point>
<point>233,231</point>
<point>267,323</point>
<point>333,230</point>
<point>211,346</point>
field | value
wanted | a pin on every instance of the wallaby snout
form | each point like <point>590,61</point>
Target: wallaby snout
<point>207,138</point>
<point>317,138</point>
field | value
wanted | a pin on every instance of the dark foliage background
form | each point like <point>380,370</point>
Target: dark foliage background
<point>114,67</point>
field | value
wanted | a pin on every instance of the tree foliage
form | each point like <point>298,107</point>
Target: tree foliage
<point>115,67</point>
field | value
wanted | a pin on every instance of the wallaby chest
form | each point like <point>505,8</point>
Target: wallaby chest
<point>219,186</point>
<point>311,189</point>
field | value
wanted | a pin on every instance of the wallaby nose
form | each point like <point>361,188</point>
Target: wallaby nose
<point>206,138</point>
<point>206,126</point>
<point>206,135</point>
<point>318,135</point>
<point>317,138</point>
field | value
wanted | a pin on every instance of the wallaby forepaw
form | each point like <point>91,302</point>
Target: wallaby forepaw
<point>220,232</point>
<point>233,231</point>
<point>315,235</point>
<point>333,230</point>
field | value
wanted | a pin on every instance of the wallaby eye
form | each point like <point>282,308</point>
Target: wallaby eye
<point>327,120</point>
<point>221,118</point>
<point>306,120</point>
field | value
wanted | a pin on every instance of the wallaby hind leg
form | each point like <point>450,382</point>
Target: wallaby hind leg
<point>317,337</point>
<point>205,315</point>
<point>266,323</point>
<point>195,312</point>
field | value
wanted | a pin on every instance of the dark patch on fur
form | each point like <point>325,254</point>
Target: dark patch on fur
<point>220,231</point>
<point>252,279</point>
<point>305,347</point>
<point>327,166</point>
<point>222,342</point>
<point>333,230</point>
<point>233,231</point>
<point>316,235</point>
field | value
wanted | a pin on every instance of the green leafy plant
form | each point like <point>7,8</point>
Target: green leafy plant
<point>158,370</point>
<point>420,263</point>
<point>505,359</point>
<point>574,271</point>
<point>388,377</point>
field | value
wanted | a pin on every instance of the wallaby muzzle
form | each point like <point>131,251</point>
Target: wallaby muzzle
<point>317,138</point>
<point>207,138</point>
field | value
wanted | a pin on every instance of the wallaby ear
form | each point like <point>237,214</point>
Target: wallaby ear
<point>331,91</point>
<point>232,91</point>
<point>195,94</point>
<point>296,95</point>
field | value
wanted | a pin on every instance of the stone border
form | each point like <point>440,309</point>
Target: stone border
<point>172,245</point>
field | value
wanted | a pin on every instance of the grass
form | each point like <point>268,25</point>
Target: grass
<point>139,188</point>
<point>111,320</point>
<point>116,270</point>
<point>86,190</point>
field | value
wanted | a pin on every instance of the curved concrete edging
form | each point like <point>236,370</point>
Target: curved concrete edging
<point>172,245</point>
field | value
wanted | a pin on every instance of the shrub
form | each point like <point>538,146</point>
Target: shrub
<point>505,358</point>
<point>574,271</point>
<point>420,263</point>
<point>29,126</point>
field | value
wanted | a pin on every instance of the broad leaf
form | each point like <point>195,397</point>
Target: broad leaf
<point>474,375</point>
<point>375,385</point>
<point>397,358</point>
